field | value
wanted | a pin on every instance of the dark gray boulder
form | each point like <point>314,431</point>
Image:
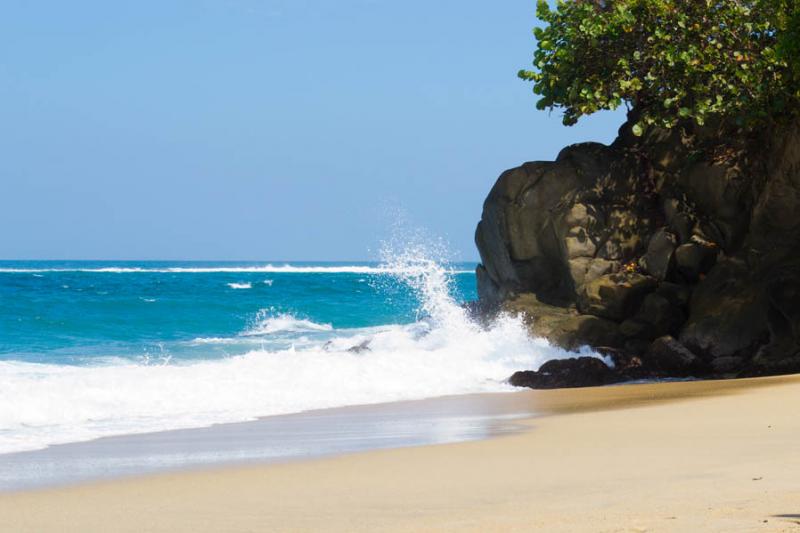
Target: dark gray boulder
<point>693,235</point>
<point>668,356</point>
<point>564,373</point>
<point>694,260</point>
<point>564,326</point>
<point>615,296</point>
<point>659,259</point>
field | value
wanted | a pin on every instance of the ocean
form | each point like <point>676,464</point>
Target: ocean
<point>98,348</point>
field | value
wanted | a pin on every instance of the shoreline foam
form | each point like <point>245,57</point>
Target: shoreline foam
<point>266,440</point>
<point>691,456</point>
<point>338,430</point>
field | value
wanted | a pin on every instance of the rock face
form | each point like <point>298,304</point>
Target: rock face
<point>679,250</point>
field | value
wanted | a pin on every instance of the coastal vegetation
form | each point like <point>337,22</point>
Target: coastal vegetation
<point>674,250</point>
<point>672,61</point>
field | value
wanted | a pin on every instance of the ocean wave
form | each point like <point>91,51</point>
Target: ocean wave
<point>240,285</point>
<point>215,340</point>
<point>43,404</point>
<point>294,365</point>
<point>265,324</point>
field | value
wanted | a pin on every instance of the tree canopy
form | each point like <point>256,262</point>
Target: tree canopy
<point>671,60</point>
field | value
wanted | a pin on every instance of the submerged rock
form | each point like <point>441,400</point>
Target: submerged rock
<point>360,347</point>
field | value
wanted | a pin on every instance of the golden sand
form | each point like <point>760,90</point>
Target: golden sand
<point>700,456</point>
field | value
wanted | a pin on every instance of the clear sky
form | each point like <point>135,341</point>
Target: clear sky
<point>260,129</point>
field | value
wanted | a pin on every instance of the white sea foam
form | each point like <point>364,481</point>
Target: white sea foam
<point>240,285</point>
<point>266,324</point>
<point>215,340</point>
<point>268,282</point>
<point>48,404</point>
<point>442,354</point>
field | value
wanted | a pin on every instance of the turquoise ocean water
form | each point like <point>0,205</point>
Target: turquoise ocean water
<point>83,313</point>
<point>89,349</point>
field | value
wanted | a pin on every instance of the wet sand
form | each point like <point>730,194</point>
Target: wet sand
<point>689,456</point>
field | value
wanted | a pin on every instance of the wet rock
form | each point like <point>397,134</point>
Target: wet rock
<point>361,347</point>
<point>586,330</point>
<point>727,365</point>
<point>771,366</point>
<point>566,373</point>
<point>564,327</point>
<point>489,293</point>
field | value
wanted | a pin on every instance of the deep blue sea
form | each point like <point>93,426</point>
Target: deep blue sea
<point>89,349</point>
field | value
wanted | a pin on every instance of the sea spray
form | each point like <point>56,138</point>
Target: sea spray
<point>280,360</point>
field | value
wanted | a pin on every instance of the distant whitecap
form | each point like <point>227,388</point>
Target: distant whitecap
<point>277,269</point>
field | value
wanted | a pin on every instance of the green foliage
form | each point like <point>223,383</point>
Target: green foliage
<point>671,60</point>
<point>789,39</point>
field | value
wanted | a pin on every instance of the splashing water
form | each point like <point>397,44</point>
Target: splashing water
<point>279,361</point>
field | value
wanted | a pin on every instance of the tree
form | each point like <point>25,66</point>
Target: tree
<point>671,60</point>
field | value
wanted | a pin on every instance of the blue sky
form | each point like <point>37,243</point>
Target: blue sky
<point>261,129</point>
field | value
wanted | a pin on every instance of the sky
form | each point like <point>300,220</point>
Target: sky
<point>261,129</point>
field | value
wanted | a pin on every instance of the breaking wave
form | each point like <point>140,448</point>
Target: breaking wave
<point>265,324</point>
<point>314,366</point>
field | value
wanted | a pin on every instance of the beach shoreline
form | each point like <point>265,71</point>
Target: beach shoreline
<point>710,455</point>
<point>269,440</point>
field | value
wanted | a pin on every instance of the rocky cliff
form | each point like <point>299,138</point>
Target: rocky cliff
<point>677,253</point>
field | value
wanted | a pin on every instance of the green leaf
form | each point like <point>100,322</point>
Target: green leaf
<point>670,60</point>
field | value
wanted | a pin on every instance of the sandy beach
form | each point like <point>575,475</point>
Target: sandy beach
<point>690,456</point>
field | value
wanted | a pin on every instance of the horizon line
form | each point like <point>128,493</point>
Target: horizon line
<point>231,260</point>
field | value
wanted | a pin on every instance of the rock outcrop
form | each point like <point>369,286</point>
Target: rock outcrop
<point>677,253</point>
<point>563,373</point>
